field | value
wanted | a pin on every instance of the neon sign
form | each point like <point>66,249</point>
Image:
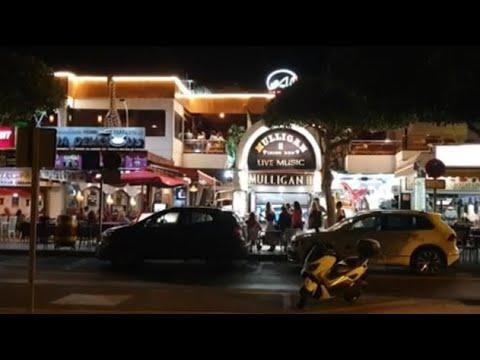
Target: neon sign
<point>281,149</point>
<point>280,79</point>
<point>7,138</point>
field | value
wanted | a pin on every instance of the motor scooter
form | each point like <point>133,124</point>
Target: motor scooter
<point>326,277</point>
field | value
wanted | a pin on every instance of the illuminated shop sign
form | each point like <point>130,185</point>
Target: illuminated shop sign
<point>459,155</point>
<point>281,149</point>
<point>15,177</point>
<point>68,162</point>
<point>7,138</point>
<point>280,79</point>
<point>280,179</point>
<point>98,137</point>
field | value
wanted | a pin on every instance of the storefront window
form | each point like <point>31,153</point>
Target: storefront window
<point>15,201</point>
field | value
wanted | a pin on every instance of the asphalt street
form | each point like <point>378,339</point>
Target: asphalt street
<point>86,285</point>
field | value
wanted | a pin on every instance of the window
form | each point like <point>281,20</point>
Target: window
<point>167,218</point>
<point>15,201</point>
<point>399,222</point>
<point>366,223</point>
<point>152,120</point>
<point>200,217</point>
<point>178,126</point>
<point>422,223</point>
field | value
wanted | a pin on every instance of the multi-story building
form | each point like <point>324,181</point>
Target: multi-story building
<point>186,134</point>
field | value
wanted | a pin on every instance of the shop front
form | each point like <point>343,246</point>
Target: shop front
<point>277,165</point>
<point>458,191</point>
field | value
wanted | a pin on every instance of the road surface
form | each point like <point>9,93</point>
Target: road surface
<point>86,285</point>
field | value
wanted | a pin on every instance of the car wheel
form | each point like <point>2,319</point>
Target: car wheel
<point>427,261</point>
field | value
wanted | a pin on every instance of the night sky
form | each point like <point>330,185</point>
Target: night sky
<point>219,68</point>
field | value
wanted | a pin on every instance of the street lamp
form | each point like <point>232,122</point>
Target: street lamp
<point>124,101</point>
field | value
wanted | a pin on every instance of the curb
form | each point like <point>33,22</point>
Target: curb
<point>91,253</point>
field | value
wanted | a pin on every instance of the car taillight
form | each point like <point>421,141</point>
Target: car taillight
<point>452,237</point>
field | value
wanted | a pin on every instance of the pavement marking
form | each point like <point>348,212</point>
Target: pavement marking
<point>92,300</point>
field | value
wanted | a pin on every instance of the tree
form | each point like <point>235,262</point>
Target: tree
<point>28,90</point>
<point>381,88</point>
<point>414,84</point>
<point>335,112</point>
<point>235,134</point>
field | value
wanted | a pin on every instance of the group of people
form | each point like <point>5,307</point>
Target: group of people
<point>289,222</point>
<point>214,136</point>
<point>90,216</point>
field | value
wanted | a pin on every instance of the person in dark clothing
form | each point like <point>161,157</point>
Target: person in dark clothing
<point>284,220</point>
<point>315,216</point>
<point>285,225</point>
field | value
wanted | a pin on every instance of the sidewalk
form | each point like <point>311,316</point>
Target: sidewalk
<point>78,299</point>
<point>88,250</point>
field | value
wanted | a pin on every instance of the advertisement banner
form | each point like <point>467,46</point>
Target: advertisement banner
<point>15,176</point>
<point>100,137</point>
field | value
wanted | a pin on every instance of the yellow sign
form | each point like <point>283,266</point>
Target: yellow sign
<point>435,184</point>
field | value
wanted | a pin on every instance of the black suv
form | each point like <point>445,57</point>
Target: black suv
<point>176,233</point>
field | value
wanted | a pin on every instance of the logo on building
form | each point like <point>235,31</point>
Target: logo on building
<point>7,138</point>
<point>280,79</point>
<point>281,149</point>
<point>280,179</point>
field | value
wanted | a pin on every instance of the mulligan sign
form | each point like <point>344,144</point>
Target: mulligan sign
<point>281,149</point>
<point>280,179</point>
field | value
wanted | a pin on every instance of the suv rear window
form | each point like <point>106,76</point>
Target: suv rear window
<point>399,222</point>
<point>423,223</point>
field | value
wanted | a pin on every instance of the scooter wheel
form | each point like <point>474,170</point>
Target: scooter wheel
<point>302,301</point>
<point>351,295</point>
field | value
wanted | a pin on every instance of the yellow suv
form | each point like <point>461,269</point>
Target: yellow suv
<point>416,239</point>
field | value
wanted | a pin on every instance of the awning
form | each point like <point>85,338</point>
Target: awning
<point>207,179</point>
<point>151,178</point>
<point>9,191</point>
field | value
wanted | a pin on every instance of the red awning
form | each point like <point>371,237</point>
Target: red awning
<point>8,191</point>
<point>151,178</point>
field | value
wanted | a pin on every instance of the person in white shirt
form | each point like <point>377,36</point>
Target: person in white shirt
<point>213,136</point>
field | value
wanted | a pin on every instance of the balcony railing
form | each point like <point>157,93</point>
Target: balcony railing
<point>200,146</point>
<point>375,147</point>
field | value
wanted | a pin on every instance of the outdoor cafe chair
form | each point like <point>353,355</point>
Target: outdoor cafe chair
<point>12,227</point>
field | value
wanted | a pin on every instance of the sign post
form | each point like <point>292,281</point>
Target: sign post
<point>34,215</point>
<point>435,168</point>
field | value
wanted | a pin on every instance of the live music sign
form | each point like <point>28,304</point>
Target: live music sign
<point>281,149</point>
<point>7,138</point>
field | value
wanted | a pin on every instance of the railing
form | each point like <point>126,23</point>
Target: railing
<point>199,146</point>
<point>374,147</point>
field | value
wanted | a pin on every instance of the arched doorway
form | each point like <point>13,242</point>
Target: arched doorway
<point>277,165</point>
